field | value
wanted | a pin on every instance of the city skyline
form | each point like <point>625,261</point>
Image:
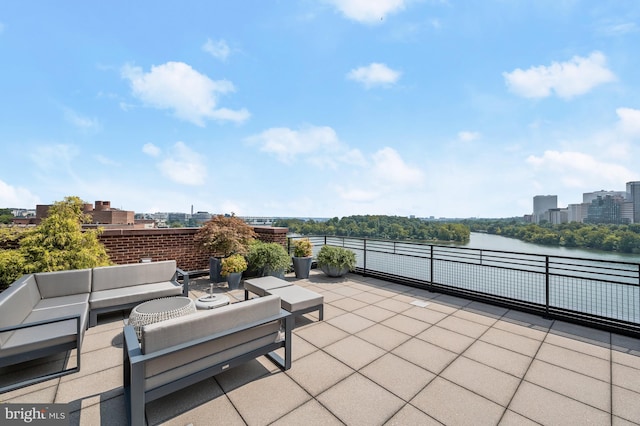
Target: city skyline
<point>319,108</point>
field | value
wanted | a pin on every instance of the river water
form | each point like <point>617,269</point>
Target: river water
<point>496,242</point>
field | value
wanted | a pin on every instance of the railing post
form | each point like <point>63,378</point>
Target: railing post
<point>364,258</point>
<point>431,267</point>
<point>546,284</point>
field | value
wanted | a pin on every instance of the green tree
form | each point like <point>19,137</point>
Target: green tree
<point>59,243</point>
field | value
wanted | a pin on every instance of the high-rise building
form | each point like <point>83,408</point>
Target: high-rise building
<point>605,209</point>
<point>543,203</point>
<point>633,196</point>
<point>588,197</point>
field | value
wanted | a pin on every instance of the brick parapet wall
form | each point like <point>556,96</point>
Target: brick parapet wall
<point>132,245</point>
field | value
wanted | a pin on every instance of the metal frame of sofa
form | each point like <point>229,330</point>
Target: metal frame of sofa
<point>136,393</point>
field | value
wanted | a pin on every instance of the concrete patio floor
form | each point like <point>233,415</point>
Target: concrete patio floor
<point>384,354</point>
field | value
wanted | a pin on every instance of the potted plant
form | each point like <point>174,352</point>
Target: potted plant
<point>336,261</point>
<point>232,268</point>
<point>302,252</point>
<point>268,259</point>
<point>223,236</point>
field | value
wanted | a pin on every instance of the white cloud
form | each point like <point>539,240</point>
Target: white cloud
<point>368,11</point>
<point>466,136</point>
<point>106,161</point>
<point>618,29</point>
<point>375,74</point>
<point>151,150</point>
<point>580,170</point>
<point>566,79</point>
<point>16,196</point>
<point>218,49</point>
<point>629,122</point>
<point>390,168</point>
<point>183,165</point>
<point>54,157</point>
<point>357,195</point>
<point>176,86</point>
<point>286,144</point>
<point>79,121</point>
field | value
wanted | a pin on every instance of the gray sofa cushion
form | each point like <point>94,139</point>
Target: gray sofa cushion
<point>110,277</point>
<point>175,331</point>
<point>46,335</point>
<point>296,298</point>
<point>55,302</point>
<point>16,303</point>
<point>133,294</point>
<point>64,283</point>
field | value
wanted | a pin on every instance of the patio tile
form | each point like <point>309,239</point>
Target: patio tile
<point>241,375</point>
<point>382,291</point>
<point>474,317</point>
<point>625,404</point>
<point>359,401</point>
<point>383,336</point>
<point>367,297</point>
<point>263,393</point>
<point>493,384</point>
<point>486,310</point>
<point>309,414</point>
<point>625,350</point>
<point>511,341</point>
<point>321,334</point>
<point>330,296</point>
<point>110,411</point>
<point>318,372</point>
<point>548,407</point>
<point>577,332</point>
<point>575,361</point>
<point>425,355</point>
<point>617,421</point>
<point>525,319</point>
<point>426,314</point>
<point>351,323</point>
<point>404,297</point>
<point>348,304</point>
<point>450,340</point>
<point>354,352</point>
<point>514,419</point>
<point>406,324</point>
<point>502,359</point>
<point>109,337</point>
<point>103,382</point>
<point>441,307</point>
<point>43,394</point>
<point>579,346</point>
<point>410,415</point>
<point>452,404</point>
<point>393,305</point>
<point>462,326</point>
<point>582,388</point>
<point>626,377</point>
<point>197,404</point>
<point>95,361</point>
<point>452,301</point>
<point>374,313</point>
<point>346,291</point>
<point>519,329</point>
<point>331,311</point>
<point>398,376</point>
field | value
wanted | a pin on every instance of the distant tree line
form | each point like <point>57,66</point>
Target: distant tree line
<point>607,237</point>
<point>381,227</point>
<point>5,216</point>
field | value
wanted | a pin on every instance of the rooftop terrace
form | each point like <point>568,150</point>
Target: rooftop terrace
<point>384,354</point>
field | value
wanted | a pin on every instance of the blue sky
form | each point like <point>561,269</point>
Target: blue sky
<point>319,108</point>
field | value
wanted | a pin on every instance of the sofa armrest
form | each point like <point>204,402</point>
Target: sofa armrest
<point>37,323</point>
<point>185,281</point>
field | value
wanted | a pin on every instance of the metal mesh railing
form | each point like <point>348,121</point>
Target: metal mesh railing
<point>599,292</point>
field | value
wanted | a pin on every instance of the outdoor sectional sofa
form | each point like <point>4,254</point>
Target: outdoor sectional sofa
<point>179,352</point>
<point>47,313</point>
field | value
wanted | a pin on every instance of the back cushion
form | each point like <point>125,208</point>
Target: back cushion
<point>172,332</point>
<point>110,277</point>
<point>64,283</point>
<point>16,302</point>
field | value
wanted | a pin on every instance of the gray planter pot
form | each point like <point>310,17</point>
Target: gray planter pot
<point>215,266</point>
<point>302,266</point>
<point>334,271</point>
<point>270,273</point>
<point>233,280</point>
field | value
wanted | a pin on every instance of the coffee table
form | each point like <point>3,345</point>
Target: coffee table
<point>157,310</point>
